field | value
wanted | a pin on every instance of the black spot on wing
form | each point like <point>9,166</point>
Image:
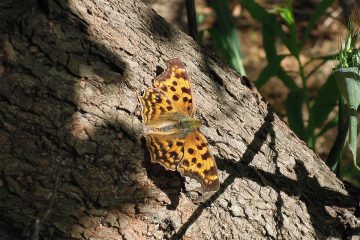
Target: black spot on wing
<point>174,155</point>
<point>205,156</point>
<point>181,75</point>
<point>158,99</point>
<point>211,171</point>
<point>162,110</point>
<point>185,90</point>
<point>191,151</point>
<point>185,162</point>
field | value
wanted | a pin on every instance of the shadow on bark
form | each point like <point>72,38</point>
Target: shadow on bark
<point>224,165</point>
<point>54,148</point>
<point>307,188</point>
<point>84,163</point>
<point>169,182</point>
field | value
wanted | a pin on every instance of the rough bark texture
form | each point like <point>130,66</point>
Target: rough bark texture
<point>73,162</point>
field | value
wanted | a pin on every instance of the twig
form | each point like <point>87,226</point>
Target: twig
<point>191,18</point>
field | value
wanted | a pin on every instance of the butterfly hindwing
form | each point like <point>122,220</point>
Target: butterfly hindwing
<point>166,149</point>
<point>175,83</point>
<point>198,163</point>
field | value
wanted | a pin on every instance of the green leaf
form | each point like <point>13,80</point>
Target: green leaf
<point>226,36</point>
<point>348,80</point>
<point>270,70</point>
<point>325,102</point>
<point>265,75</point>
<point>349,56</point>
<point>269,21</point>
<point>329,125</point>
<point>256,11</point>
<point>319,11</point>
<point>294,105</point>
<point>286,14</point>
<point>228,47</point>
<point>287,80</point>
<point>335,153</point>
<point>268,41</point>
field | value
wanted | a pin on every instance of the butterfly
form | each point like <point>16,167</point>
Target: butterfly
<point>171,130</point>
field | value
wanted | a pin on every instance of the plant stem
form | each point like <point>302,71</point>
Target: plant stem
<point>310,136</point>
<point>335,153</point>
<point>353,134</point>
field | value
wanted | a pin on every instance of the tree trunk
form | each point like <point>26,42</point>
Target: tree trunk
<point>73,160</point>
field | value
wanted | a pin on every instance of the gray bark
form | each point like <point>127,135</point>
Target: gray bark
<point>73,160</point>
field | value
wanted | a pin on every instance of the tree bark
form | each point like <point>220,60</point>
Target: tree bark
<point>73,160</point>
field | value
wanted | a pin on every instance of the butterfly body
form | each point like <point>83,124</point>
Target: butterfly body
<point>172,133</point>
<point>183,126</point>
<point>189,124</point>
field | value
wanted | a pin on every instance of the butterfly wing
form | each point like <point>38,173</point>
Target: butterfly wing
<point>198,163</point>
<point>166,149</point>
<point>156,107</point>
<point>171,100</point>
<point>175,83</point>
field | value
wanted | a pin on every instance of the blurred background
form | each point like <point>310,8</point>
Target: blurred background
<point>288,49</point>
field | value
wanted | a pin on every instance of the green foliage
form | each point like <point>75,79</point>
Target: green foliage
<point>349,56</point>
<point>318,13</point>
<point>348,80</point>
<point>347,76</point>
<point>294,112</point>
<point>225,35</point>
<point>298,99</point>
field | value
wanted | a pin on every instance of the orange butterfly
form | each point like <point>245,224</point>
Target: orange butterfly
<point>171,130</point>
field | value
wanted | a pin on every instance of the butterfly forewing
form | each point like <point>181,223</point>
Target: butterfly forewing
<point>156,107</point>
<point>175,82</point>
